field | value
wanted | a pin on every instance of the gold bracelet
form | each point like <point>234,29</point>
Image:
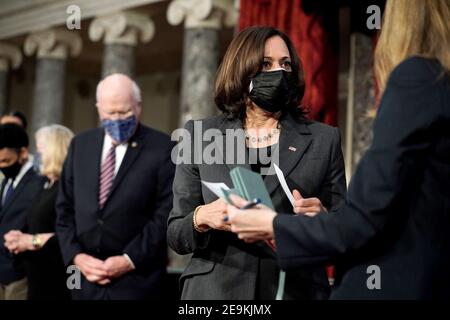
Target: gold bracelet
<point>36,241</point>
<point>194,221</point>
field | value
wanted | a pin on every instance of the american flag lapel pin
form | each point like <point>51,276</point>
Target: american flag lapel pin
<point>292,148</point>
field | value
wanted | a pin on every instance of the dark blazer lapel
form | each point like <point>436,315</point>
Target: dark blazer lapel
<point>295,139</point>
<point>135,146</point>
<point>239,157</point>
<point>92,172</point>
<point>19,188</point>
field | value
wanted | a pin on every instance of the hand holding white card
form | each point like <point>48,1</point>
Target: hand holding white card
<point>216,188</point>
<point>284,185</point>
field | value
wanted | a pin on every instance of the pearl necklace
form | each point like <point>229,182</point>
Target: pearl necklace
<point>264,138</point>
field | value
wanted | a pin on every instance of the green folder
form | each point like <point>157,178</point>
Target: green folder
<point>248,185</point>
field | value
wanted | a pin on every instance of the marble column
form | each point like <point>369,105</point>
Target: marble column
<point>202,21</point>
<point>121,33</point>
<point>10,57</point>
<point>361,100</point>
<point>52,48</point>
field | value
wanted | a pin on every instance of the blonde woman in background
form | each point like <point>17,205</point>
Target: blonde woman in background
<point>39,246</point>
<point>391,239</point>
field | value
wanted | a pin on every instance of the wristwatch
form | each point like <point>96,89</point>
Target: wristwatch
<point>36,241</point>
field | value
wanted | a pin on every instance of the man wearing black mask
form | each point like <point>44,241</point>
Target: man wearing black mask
<point>18,189</point>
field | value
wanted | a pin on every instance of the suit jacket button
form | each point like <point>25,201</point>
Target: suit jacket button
<point>100,221</point>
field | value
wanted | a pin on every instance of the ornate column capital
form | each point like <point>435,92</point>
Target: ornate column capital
<point>10,56</point>
<point>124,27</point>
<point>53,43</point>
<point>203,13</point>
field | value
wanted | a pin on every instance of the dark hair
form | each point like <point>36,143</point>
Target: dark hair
<point>242,61</point>
<point>21,116</point>
<point>13,136</point>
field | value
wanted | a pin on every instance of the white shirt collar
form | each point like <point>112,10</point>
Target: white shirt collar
<point>121,149</point>
<point>109,141</point>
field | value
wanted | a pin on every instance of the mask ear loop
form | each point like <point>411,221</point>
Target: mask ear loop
<point>250,87</point>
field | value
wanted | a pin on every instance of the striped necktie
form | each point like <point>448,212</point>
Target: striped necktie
<point>107,176</point>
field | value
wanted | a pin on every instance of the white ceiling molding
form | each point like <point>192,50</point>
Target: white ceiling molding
<point>28,16</point>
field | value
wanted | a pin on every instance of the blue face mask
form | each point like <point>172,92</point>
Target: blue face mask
<point>120,130</point>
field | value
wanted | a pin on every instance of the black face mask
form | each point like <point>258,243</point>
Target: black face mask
<point>273,90</point>
<point>12,171</point>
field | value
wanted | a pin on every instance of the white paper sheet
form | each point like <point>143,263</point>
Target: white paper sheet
<point>216,188</point>
<point>284,185</point>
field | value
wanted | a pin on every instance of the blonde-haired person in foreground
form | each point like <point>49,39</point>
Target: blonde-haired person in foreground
<point>39,246</point>
<point>391,239</point>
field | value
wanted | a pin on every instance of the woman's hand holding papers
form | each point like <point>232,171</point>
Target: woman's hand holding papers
<point>307,206</point>
<point>212,216</point>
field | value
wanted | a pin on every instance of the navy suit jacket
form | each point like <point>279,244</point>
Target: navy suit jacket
<point>396,220</point>
<point>133,220</point>
<point>13,217</point>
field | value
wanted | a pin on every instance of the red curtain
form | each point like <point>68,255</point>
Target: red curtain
<point>312,42</point>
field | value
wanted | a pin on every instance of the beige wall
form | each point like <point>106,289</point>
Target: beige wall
<point>160,95</point>
<point>21,90</point>
<point>80,111</point>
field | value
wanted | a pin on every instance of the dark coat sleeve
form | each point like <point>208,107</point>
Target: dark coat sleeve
<point>334,188</point>
<point>384,179</point>
<point>65,211</point>
<point>187,191</point>
<point>143,249</point>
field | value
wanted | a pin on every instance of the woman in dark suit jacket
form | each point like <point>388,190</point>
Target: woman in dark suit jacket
<point>391,239</point>
<point>39,247</point>
<point>258,89</point>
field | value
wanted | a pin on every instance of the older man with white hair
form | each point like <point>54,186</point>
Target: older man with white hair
<point>114,199</point>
